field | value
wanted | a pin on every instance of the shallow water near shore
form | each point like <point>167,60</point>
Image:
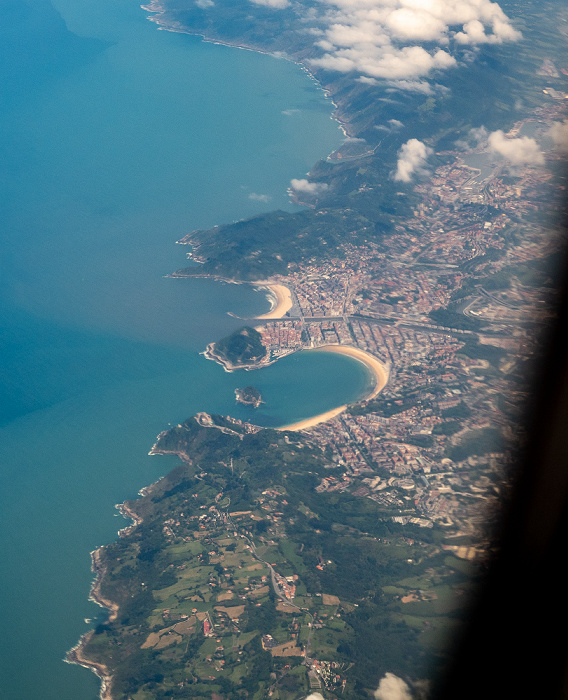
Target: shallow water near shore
<point>117,140</point>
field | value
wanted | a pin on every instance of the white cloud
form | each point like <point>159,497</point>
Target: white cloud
<point>381,39</point>
<point>415,25</point>
<point>393,125</point>
<point>259,197</point>
<point>275,4</point>
<point>474,31</point>
<point>412,86</point>
<point>558,132</point>
<point>364,33</point>
<point>475,137</point>
<point>387,62</point>
<point>307,187</point>
<point>518,151</point>
<point>290,112</point>
<point>392,687</point>
<point>412,158</point>
<point>479,134</point>
<point>204,4</point>
<point>367,81</point>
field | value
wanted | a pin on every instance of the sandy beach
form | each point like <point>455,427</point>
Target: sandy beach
<point>376,366</point>
<point>370,361</point>
<point>314,420</point>
<point>283,300</point>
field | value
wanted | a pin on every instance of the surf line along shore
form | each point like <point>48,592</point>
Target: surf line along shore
<point>280,296</point>
<point>76,654</point>
<point>378,369</point>
<point>281,300</point>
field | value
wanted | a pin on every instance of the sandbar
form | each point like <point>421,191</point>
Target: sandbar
<point>379,370</point>
<point>283,301</point>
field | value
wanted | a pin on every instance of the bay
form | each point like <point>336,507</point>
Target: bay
<point>116,140</point>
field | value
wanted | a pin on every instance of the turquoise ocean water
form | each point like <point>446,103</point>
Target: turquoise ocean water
<point>116,139</point>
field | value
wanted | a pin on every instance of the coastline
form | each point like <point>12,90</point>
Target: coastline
<point>76,654</point>
<point>314,420</point>
<point>281,297</point>
<point>379,370</point>
<point>127,512</point>
<point>158,10</point>
<point>210,354</point>
<point>96,595</point>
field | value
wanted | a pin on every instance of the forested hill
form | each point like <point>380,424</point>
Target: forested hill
<point>266,245</point>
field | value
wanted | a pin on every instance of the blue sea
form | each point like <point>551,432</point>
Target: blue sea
<point>116,139</point>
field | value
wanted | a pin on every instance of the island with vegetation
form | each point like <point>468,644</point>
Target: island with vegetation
<point>249,396</point>
<point>281,563</point>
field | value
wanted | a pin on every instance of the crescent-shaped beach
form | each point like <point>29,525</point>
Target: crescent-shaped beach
<point>281,298</point>
<point>379,370</point>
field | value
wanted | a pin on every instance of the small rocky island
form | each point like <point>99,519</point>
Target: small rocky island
<point>250,396</point>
